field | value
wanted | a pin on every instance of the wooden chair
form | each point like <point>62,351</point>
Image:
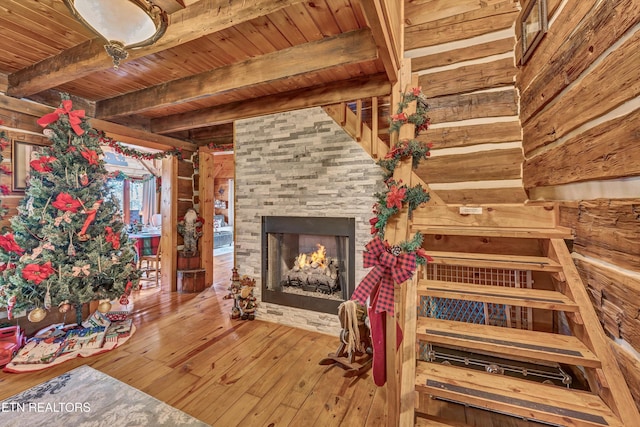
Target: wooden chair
<point>152,263</point>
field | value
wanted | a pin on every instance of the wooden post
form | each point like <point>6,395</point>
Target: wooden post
<point>206,194</point>
<point>401,361</point>
<point>169,233</point>
<point>374,127</point>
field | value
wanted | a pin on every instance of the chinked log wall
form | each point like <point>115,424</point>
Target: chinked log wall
<point>464,54</point>
<point>580,114</point>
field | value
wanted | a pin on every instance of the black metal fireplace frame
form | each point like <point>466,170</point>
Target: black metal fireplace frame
<point>322,226</point>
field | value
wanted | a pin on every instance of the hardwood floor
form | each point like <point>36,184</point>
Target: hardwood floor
<point>188,353</point>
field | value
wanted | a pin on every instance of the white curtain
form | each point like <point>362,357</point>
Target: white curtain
<point>148,199</point>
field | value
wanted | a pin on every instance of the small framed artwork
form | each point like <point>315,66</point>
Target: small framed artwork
<point>21,155</point>
<point>534,26</point>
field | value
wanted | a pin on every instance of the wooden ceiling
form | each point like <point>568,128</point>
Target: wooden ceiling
<point>220,60</point>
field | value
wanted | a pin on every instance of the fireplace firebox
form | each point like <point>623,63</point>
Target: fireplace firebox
<point>308,262</point>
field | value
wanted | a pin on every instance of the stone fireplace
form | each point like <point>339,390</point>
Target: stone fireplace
<point>308,262</point>
<point>300,164</point>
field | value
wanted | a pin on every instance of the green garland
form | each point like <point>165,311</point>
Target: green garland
<point>120,148</point>
<point>397,195</point>
<point>419,118</point>
<point>403,150</point>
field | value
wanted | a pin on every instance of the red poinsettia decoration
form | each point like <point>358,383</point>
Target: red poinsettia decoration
<point>400,117</point>
<point>43,164</point>
<point>396,196</point>
<point>4,189</point>
<point>66,202</point>
<point>374,221</point>
<point>416,91</point>
<point>423,254</point>
<point>112,238</point>
<point>8,243</point>
<point>91,156</point>
<point>38,273</point>
<point>5,170</point>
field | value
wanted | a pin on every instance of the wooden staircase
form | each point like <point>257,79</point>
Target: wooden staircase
<point>512,265</point>
<point>549,321</point>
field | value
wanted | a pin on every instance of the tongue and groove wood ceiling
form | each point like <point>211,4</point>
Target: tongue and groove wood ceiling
<point>219,60</point>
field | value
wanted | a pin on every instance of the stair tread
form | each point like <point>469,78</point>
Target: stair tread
<point>510,342</point>
<point>514,232</point>
<point>433,421</point>
<point>522,297</point>
<point>515,262</point>
<point>514,396</point>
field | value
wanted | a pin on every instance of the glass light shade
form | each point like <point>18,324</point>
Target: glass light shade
<point>124,24</point>
<point>131,23</point>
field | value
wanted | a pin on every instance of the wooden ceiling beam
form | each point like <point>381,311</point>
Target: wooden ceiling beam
<point>195,21</point>
<point>113,130</point>
<point>331,93</point>
<point>344,49</point>
<point>386,20</point>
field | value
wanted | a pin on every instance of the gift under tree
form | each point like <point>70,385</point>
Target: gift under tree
<point>68,245</point>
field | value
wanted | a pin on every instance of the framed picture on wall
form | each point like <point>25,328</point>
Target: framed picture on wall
<point>21,155</point>
<point>534,26</point>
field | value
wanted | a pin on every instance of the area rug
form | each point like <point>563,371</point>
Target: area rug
<point>85,397</point>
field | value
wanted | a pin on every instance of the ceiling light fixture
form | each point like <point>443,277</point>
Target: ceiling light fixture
<point>124,24</point>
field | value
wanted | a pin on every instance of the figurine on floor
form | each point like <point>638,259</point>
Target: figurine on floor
<point>355,352</point>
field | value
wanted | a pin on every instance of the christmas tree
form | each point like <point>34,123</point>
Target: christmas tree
<point>68,245</point>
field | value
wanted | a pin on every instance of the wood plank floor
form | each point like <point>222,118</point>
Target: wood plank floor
<point>188,353</point>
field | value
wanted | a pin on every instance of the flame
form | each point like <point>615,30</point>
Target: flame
<point>319,257</point>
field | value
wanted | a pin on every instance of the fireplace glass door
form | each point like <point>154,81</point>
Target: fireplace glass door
<point>308,262</point>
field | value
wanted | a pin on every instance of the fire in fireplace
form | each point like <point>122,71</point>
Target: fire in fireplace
<point>308,262</point>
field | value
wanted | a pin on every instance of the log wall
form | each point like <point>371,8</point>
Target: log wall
<point>580,114</point>
<point>463,51</point>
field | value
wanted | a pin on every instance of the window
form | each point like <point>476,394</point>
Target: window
<point>131,213</point>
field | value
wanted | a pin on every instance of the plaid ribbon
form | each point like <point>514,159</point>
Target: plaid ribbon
<point>387,269</point>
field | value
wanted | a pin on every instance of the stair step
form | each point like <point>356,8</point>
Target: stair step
<point>433,421</point>
<point>521,297</point>
<point>521,233</point>
<point>534,401</point>
<point>509,262</point>
<point>508,342</point>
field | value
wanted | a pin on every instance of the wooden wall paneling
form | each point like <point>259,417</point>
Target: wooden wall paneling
<point>461,26</point>
<point>565,23</point>
<point>18,120</point>
<point>607,151</point>
<point>483,195</point>
<point>463,136</point>
<point>472,106</point>
<point>480,166</point>
<point>581,103</point>
<point>185,186</point>
<point>613,288</point>
<point>595,34</point>
<point>630,367</point>
<point>422,11</point>
<point>609,230</point>
<point>169,234</point>
<point>449,57</point>
<point>469,78</point>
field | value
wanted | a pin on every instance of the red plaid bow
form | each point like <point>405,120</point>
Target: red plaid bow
<point>75,117</point>
<point>388,269</point>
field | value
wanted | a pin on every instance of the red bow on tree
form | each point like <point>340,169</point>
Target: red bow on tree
<point>388,268</point>
<point>75,117</point>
